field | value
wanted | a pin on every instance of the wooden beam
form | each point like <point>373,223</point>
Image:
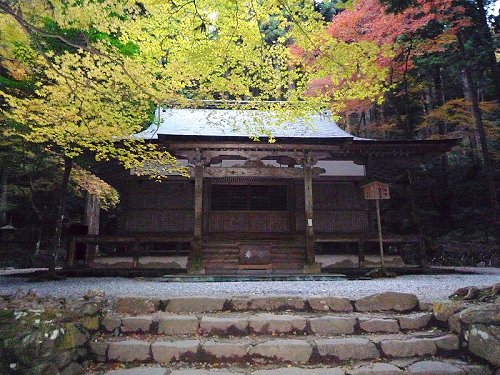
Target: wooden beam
<point>219,172</point>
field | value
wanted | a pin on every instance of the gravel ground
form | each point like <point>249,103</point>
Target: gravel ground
<point>426,287</point>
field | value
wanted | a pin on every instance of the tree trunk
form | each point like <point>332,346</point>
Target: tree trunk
<point>472,133</point>
<point>61,206</point>
<point>4,175</point>
<point>491,58</point>
<point>446,194</point>
<point>488,166</point>
<point>92,214</point>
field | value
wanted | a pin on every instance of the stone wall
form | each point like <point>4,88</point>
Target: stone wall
<point>477,323</point>
<point>54,336</point>
<point>47,336</point>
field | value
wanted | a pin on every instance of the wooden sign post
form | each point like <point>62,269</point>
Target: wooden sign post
<point>375,191</point>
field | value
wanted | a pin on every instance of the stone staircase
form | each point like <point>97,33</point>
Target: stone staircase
<point>385,334</point>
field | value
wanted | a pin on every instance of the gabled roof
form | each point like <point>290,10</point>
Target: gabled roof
<point>241,123</point>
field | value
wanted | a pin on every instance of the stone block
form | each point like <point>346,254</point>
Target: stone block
<point>332,325</point>
<point>202,372</point>
<point>233,351</point>
<point>434,368</point>
<point>330,304</point>
<point>414,321</point>
<point>378,325</point>
<point>312,269</point>
<point>447,342</point>
<point>73,369</point>
<point>139,371</point>
<point>484,341</point>
<point>169,351</point>
<point>98,350</point>
<point>476,370</point>
<point>455,324</point>
<point>136,305</point>
<point>301,371</point>
<point>62,359</point>
<point>110,322</point>
<point>224,326</point>
<point>285,350</point>
<point>409,347</point>
<point>271,303</point>
<point>90,323</point>
<point>347,349</point>
<point>271,323</point>
<point>484,314</point>
<point>443,310</point>
<point>90,308</point>
<point>129,351</point>
<point>136,324</point>
<point>387,301</point>
<point>177,325</point>
<point>376,369</point>
<point>73,337</point>
<point>179,305</point>
<point>424,306</point>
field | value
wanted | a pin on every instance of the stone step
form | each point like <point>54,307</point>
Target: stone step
<point>388,301</point>
<point>233,324</point>
<point>311,349</point>
<point>413,366</point>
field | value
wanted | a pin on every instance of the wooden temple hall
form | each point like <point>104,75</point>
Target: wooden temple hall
<point>293,206</point>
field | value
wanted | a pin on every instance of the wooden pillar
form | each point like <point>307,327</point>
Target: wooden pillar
<point>308,206</point>
<point>71,254</point>
<point>292,212</point>
<point>198,202</point>
<point>422,250</point>
<point>135,254</point>
<point>361,251</point>
<point>92,215</point>
<point>194,264</point>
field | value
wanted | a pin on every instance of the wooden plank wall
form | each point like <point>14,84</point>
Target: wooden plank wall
<point>338,207</point>
<point>152,207</point>
<point>248,221</point>
<point>223,258</point>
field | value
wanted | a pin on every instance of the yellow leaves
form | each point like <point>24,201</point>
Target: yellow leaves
<point>88,101</point>
<point>86,181</point>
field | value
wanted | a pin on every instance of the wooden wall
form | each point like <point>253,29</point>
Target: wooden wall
<point>338,207</point>
<point>151,207</point>
<point>224,258</point>
<point>248,221</point>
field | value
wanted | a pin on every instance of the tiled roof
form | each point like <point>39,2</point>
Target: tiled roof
<point>240,123</point>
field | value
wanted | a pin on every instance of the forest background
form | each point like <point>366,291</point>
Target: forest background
<point>75,76</point>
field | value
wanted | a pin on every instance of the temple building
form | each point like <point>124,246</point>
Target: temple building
<point>249,206</point>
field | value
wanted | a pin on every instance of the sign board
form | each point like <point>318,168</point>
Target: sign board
<point>376,190</point>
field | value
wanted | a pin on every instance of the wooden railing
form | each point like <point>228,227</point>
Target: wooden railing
<point>134,241</point>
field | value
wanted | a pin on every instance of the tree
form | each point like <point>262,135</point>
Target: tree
<point>98,69</point>
<point>396,39</point>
